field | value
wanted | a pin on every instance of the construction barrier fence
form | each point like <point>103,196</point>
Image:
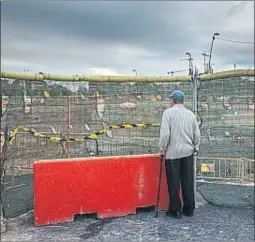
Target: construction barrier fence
<point>226,106</point>
<point>48,116</point>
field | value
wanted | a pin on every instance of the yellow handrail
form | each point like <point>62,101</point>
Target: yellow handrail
<point>227,74</point>
<point>48,76</point>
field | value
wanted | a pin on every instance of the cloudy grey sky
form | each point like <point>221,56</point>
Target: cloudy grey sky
<point>112,38</point>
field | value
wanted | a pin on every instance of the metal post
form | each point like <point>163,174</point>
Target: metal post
<point>205,65</point>
<point>68,126</point>
<point>210,56</point>
<point>195,87</point>
<point>209,64</point>
<point>190,64</point>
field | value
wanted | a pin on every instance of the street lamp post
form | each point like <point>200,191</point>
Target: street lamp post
<point>205,55</point>
<point>134,70</point>
<point>190,63</point>
<point>210,56</point>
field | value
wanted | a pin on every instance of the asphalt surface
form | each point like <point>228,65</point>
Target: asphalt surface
<point>208,223</point>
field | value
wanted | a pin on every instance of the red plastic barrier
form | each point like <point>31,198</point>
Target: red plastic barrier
<point>108,186</point>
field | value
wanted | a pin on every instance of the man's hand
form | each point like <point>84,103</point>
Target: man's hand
<point>161,153</point>
<point>195,152</point>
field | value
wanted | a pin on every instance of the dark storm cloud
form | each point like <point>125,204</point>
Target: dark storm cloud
<point>138,23</point>
<point>119,35</point>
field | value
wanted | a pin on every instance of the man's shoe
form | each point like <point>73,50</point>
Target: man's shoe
<point>173,214</point>
<point>186,213</point>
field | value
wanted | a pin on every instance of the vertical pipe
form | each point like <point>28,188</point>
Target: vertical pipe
<point>244,168</point>
<point>249,173</point>
<point>195,77</point>
<point>214,172</point>
<point>219,168</point>
<point>225,168</point>
<point>13,161</point>
<point>68,125</point>
<point>238,169</point>
<point>204,63</point>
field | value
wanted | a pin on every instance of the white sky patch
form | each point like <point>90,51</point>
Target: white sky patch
<point>103,72</point>
<point>241,23</point>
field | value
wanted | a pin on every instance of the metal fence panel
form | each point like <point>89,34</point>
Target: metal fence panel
<point>46,116</point>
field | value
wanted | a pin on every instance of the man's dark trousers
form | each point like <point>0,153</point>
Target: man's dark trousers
<point>181,171</point>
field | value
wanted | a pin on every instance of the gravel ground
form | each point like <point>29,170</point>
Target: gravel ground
<point>208,223</point>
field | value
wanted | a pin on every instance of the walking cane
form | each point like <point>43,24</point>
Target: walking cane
<point>159,184</point>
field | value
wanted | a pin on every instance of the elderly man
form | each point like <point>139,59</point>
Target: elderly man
<point>179,140</point>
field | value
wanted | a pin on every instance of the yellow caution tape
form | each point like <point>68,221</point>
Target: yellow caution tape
<point>115,126</point>
<point>55,139</point>
<point>92,136</point>
<point>127,126</point>
<point>140,125</point>
<point>79,139</point>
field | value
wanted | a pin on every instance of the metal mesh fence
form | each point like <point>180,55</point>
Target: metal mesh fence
<point>227,110</point>
<point>74,110</point>
<point>110,118</point>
